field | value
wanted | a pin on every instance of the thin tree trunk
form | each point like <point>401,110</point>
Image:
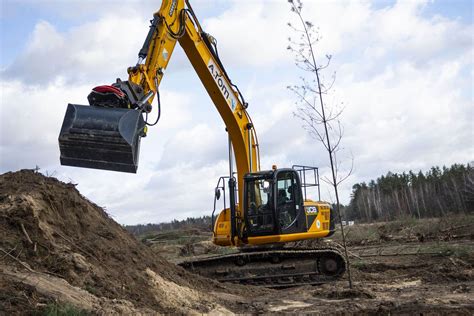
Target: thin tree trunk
<point>407,201</point>
<point>395,193</point>
<point>458,196</point>
<point>415,199</point>
<point>423,200</point>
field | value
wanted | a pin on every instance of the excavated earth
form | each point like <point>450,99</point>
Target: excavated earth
<point>59,250</point>
<point>57,247</point>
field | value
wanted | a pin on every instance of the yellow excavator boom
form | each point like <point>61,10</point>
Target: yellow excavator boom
<point>176,22</point>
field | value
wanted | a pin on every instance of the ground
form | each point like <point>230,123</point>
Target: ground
<point>62,254</point>
<point>405,266</point>
<point>386,285</point>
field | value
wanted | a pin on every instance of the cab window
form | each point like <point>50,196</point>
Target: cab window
<point>259,206</point>
<point>289,202</point>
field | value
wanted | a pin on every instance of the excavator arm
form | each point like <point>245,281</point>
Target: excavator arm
<point>106,134</point>
<point>176,22</point>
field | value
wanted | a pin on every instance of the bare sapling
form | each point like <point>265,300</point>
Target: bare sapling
<point>320,120</point>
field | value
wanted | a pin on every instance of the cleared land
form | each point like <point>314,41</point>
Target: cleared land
<point>405,266</point>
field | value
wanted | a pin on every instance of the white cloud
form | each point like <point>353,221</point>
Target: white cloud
<point>248,34</point>
<point>195,147</point>
<point>31,117</point>
<point>94,51</point>
<point>419,120</point>
<point>173,193</point>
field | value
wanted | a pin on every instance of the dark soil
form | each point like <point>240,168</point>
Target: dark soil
<point>17,298</point>
<point>51,227</point>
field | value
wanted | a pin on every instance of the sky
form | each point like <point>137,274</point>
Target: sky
<point>404,74</point>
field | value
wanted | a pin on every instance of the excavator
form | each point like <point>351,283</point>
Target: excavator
<point>267,211</point>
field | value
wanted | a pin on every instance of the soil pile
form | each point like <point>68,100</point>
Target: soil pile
<point>57,245</point>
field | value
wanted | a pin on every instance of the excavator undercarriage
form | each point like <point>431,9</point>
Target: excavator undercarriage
<point>273,268</point>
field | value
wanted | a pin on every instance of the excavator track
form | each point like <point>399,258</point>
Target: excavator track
<point>272,268</point>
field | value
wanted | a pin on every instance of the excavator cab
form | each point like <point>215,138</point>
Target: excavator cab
<point>275,209</point>
<point>273,203</point>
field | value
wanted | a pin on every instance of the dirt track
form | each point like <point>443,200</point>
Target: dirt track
<point>59,249</point>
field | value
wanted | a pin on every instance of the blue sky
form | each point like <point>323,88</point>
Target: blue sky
<point>404,72</point>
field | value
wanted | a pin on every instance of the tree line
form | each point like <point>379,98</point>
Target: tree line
<point>435,193</point>
<point>203,222</point>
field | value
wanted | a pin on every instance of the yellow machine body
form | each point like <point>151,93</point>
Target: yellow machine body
<point>318,225</point>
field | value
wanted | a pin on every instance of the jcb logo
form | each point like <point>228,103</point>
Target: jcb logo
<point>311,210</point>
<point>222,84</point>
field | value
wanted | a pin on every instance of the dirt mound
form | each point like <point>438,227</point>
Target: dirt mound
<point>49,230</point>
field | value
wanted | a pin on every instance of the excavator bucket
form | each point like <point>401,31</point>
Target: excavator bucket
<point>101,138</point>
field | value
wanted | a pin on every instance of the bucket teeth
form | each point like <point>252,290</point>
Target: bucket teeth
<point>101,138</point>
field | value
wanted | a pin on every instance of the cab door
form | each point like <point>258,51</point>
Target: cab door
<point>289,202</point>
<point>259,207</point>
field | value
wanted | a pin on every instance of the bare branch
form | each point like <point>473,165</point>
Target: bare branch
<point>327,64</point>
<point>327,180</point>
<point>349,173</point>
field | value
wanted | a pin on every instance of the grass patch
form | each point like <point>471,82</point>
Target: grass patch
<point>358,234</point>
<point>407,228</point>
<point>176,237</point>
<point>57,309</point>
<point>91,289</point>
<point>457,251</point>
<point>358,264</point>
